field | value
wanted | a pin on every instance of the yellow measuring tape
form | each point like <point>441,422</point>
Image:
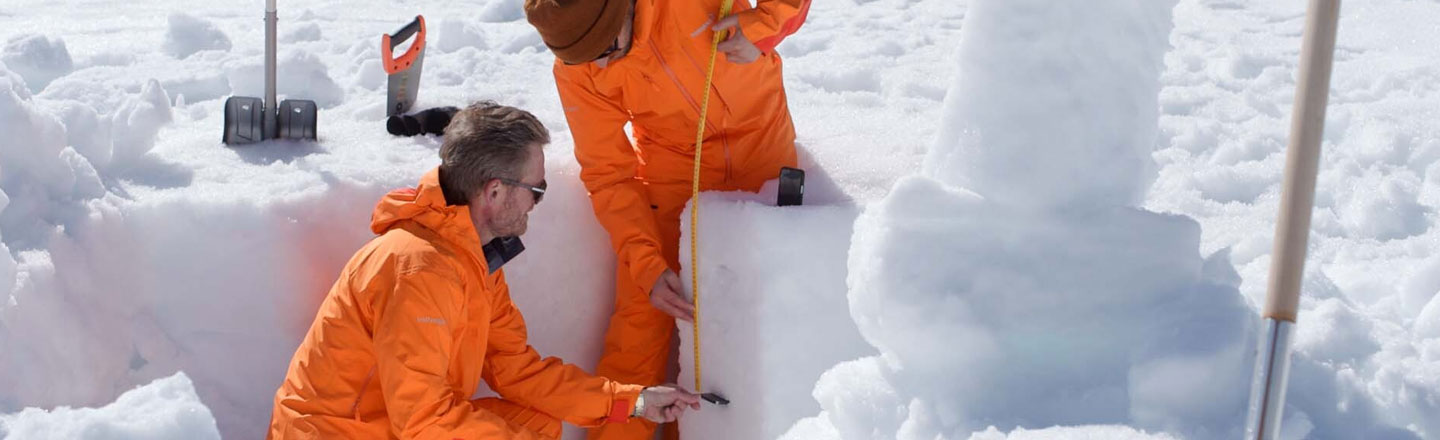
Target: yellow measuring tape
<point>695,191</point>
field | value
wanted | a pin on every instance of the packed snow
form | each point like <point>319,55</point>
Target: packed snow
<point>1024,220</point>
<point>166,409</point>
<point>773,313</point>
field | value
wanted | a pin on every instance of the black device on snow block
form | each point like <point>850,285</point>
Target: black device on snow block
<point>792,187</point>
<point>715,399</point>
<point>249,120</point>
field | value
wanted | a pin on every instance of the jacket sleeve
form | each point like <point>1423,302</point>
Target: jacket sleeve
<point>515,370</point>
<point>773,20</point>
<point>413,343</point>
<point>608,165</point>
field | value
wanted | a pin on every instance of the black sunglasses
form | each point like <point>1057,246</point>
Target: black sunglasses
<point>538,192</point>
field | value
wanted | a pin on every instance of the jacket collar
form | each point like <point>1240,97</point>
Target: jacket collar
<point>425,205</point>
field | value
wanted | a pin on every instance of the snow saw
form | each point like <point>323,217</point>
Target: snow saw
<point>249,120</point>
<point>403,73</point>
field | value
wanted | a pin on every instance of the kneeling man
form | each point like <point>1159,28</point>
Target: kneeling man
<point>422,314</point>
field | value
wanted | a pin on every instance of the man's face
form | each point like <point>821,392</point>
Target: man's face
<point>511,212</point>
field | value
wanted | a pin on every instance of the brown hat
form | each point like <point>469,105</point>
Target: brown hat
<point>577,31</point>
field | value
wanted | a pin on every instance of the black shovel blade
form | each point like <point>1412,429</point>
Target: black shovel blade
<point>244,120</point>
<point>297,118</point>
<point>715,399</point>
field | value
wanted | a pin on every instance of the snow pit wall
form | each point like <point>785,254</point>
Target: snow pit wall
<point>773,311</point>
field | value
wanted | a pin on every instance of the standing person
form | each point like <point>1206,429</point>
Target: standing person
<point>643,63</point>
<point>422,313</point>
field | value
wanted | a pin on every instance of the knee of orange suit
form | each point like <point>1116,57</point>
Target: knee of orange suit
<point>522,416</point>
<point>669,202</point>
<point>637,352</point>
<point>638,339</point>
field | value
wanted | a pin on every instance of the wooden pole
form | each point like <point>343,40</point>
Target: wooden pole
<point>1287,266</point>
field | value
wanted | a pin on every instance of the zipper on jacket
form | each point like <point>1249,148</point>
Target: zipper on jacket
<point>724,142</point>
<point>724,138</point>
<point>355,407</point>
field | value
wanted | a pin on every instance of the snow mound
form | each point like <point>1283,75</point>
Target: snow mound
<point>136,123</point>
<point>14,82</point>
<point>1116,329</point>
<point>1082,131</point>
<point>37,58</point>
<point>188,34</point>
<point>164,409</point>
<point>301,32</point>
<point>1071,433</point>
<point>456,34</point>
<point>500,11</point>
<point>300,75</point>
<point>1014,285</point>
<point>1383,207</point>
<point>46,179</point>
<point>86,131</point>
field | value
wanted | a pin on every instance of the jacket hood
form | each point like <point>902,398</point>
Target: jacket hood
<point>425,205</point>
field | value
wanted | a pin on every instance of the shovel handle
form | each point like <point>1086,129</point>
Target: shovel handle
<point>388,42</point>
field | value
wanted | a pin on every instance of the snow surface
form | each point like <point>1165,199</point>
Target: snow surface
<point>188,35</point>
<point>137,246</point>
<point>164,409</point>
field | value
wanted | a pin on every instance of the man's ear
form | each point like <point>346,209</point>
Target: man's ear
<point>493,189</point>
<point>487,193</point>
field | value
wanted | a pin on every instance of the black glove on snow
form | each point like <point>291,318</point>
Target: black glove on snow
<point>428,121</point>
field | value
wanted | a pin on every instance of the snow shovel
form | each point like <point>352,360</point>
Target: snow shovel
<point>250,120</point>
<point>404,72</point>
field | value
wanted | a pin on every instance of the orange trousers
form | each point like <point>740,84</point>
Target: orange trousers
<point>639,340</point>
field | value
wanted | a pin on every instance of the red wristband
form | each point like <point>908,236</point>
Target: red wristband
<point>619,412</point>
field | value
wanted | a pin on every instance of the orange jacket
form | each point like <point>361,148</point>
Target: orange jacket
<point>404,337</point>
<point>657,87</point>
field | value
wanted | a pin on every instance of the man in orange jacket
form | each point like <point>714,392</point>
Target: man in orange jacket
<point>422,314</point>
<point>643,62</point>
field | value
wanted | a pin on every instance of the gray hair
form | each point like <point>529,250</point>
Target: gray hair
<point>483,142</point>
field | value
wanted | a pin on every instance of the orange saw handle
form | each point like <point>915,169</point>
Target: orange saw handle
<point>389,41</point>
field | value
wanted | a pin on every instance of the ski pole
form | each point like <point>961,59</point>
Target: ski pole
<point>1302,159</point>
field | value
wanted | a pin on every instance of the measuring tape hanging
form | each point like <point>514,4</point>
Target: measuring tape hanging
<point>695,190</point>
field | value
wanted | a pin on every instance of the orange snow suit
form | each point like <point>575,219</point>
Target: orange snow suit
<point>412,326</point>
<point>638,190</point>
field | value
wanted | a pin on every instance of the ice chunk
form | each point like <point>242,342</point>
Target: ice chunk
<point>37,58</point>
